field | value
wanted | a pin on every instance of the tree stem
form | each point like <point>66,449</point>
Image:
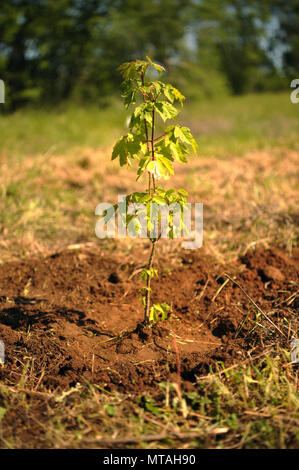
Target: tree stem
<point>147,140</point>
<point>154,240</point>
<point>148,284</point>
<point>152,145</point>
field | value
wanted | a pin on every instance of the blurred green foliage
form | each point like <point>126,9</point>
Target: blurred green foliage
<point>70,49</point>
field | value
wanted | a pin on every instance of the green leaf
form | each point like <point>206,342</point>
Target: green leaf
<point>142,165</point>
<point>140,197</point>
<point>153,317</point>
<point>135,145</point>
<point>129,70</point>
<point>158,308</point>
<point>172,93</point>
<point>160,169</point>
<point>159,312</point>
<point>129,146</point>
<point>110,410</point>
<point>166,162</point>
<point>184,134</point>
<point>157,87</point>
<point>165,110</point>
<point>153,409</point>
<point>164,166</point>
<point>129,91</point>
<point>183,192</point>
<point>168,93</point>
<point>119,150</point>
<point>151,166</point>
<point>159,199</point>
<point>148,273</point>
<point>178,95</point>
<point>143,112</point>
<point>158,67</point>
<point>170,192</point>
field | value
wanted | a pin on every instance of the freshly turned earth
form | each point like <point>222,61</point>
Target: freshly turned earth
<point>75,315</point>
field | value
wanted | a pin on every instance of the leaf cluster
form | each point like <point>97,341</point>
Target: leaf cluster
<point>156,98</point>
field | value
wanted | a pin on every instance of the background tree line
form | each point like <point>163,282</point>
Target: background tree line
<point>51,51</point>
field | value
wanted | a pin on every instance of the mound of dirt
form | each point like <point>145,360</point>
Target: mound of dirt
<point>75,316</point>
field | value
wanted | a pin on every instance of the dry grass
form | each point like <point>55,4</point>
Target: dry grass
<point>251,405</point>
<point>48,201</point>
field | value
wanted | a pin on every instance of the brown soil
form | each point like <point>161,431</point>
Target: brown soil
<point>75,315</point>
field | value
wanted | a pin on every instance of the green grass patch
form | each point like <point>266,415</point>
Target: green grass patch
<point>229,125</point>
<point>37,131</point>
<point>239,124</point>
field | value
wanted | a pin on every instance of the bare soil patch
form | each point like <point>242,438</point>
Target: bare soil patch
<point>75,316</point>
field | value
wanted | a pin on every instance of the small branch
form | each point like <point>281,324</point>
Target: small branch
<point>256,306</point>
<point>157,138</point>
<point>161,136</point>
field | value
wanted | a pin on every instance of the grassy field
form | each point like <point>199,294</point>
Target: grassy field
<point>223,127</point>
<point>55,168</point>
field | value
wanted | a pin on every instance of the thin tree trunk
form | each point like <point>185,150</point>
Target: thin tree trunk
<point>148,283</point>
